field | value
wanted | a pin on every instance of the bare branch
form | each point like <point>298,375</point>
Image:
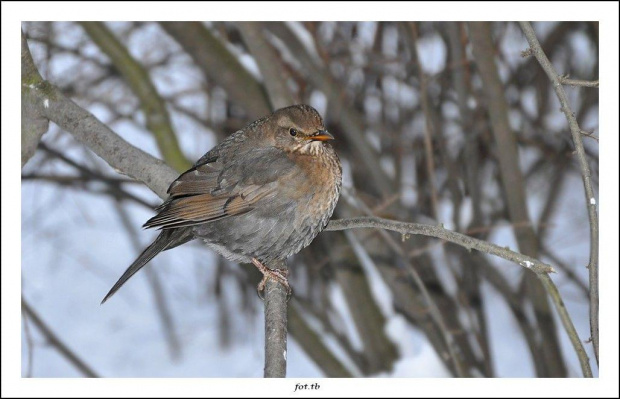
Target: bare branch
<point>577,82</point>
<point>568,324</point>
<point>541,269</point>
<point>275,326</point>
<point>429,129</point>
<point>467,242</point>
<point>99,138</point>
<point>56,342</point>
<point>575,130</point>
<point>34,122</point>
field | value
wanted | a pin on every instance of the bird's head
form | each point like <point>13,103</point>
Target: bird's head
<point>299,129</point>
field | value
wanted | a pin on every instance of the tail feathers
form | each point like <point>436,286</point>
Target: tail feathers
<point>167,239</point>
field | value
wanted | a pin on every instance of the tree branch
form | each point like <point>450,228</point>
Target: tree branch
<point>552,290</point>
<point>56,342</point>
<point>538,52</point>
<point>275,325</point>
<point>137,77</point>
<point>540,268</point>
<point>463,240</point>
<point>34,122</point>
<point>91,132</point>
<point>577,82</point>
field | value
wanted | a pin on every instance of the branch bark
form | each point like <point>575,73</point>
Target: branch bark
<point>578,82</point>
<point>538,52</point>
<point>275,326</point>
<point>34,122</point>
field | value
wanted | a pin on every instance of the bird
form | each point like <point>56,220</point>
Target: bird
<point>261,195</point>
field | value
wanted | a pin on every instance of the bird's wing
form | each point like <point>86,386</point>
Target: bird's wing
<point>220,187</point>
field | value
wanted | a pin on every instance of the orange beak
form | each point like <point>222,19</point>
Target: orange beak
<point>321,135</point>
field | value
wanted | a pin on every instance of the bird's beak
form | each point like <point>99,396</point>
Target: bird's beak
<point>321,135</point>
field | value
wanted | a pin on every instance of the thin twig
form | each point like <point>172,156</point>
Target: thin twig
<point>538,52</point>
<point>568,324</point>
<point>589,134</point>
<point>56,342</point>
<point>577,82</point>
<point>30,345</point>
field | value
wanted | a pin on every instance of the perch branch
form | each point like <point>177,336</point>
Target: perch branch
<point>275,326</point>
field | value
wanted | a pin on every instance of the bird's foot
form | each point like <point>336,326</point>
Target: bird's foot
<point>279,275</point>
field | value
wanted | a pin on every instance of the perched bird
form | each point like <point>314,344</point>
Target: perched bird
<point>261,195</point>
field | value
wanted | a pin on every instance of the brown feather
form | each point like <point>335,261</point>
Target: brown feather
<point>198,209</point>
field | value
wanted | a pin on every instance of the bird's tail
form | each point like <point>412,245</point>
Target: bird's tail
<point>168,238</point>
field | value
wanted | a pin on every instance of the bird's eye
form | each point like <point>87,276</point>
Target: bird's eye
<point>293,131</point>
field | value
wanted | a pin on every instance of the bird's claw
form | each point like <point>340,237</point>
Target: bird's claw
<point>279,275</point>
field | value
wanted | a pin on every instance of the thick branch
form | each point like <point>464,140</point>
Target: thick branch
<point>34,123</point>
<point>538,52</point>
<point>92,133</point>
